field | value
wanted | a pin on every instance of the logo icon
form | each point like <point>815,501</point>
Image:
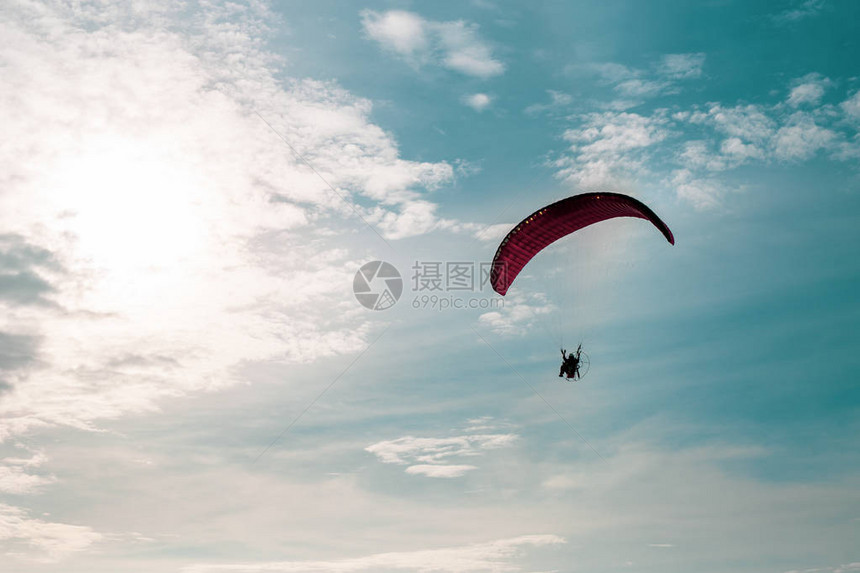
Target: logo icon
<point>377,285</point>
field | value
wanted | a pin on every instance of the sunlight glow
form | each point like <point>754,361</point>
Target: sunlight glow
<point>134,212</point>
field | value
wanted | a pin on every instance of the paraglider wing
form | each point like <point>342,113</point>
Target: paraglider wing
<point>547,225</point>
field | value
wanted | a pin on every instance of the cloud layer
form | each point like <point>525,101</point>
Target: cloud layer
<point>497,556</point>
<point>172,210</point>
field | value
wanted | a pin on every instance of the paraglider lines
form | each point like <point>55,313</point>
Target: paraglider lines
<point>320,395</point>
<point>517,372</point>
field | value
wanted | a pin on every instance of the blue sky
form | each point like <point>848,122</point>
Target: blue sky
<point>188,384</point>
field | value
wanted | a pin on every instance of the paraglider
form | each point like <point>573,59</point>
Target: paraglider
<point>551,223</point>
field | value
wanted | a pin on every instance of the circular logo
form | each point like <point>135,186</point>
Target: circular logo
<point>377,285</point>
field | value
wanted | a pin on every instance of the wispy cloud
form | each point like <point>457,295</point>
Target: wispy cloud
<point>479,102</point>
<point>558,101</point>
<point>16,479</point>
<point>519,314</point>
<point>51,541</point>
<point>498,556</point>
<point>635,85</point>
<point>682,66</point>
<point>440,471</point>
<point>808,90</point>
<point>801,10</point>
<point>700,191</point>
<point>399,31</point>
<point>844,568</point>
<point>454,45</point>
<point>493,232</point>
<point>465,52</point>
<point>432,456</point>
<point>640,88</point>
<point>851,107</point>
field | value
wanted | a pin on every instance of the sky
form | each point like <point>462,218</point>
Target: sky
<point>189,384</point>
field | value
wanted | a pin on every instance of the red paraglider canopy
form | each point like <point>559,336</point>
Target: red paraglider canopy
<point>553,222</point>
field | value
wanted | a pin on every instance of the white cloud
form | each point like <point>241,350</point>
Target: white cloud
<point>493,232</point>
<point>639,88</point>
<point>851,107</point>
<point>697,155</point>
<point>612,134</point>
<point>802,9</point>
<point>801,138</point>
<point>484,423</point>
<point>561,482</point>
<point>408,449</point>
<point>735,149</point>
<point>439,471</point>
<point>557,100</point>
<point>637,85</point>
<point>478,102</point>
<point>497,556</point>
<point>809,92</point>
<point>15,479</point>
<point>518,315</point>
<point>39,540</point>
<point>608,147</point>
<point>682,66</point>
<point>397,30</point>
<point>844,568</point>
<point>465,51</point>
<point>431,456</point>
<point>413,218</point>
<point>750,123</point>
<point>560,98</point>
<point>702,193</point>
<point>454,45</point>
<point>630,82</point>
<point>614,73</point>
